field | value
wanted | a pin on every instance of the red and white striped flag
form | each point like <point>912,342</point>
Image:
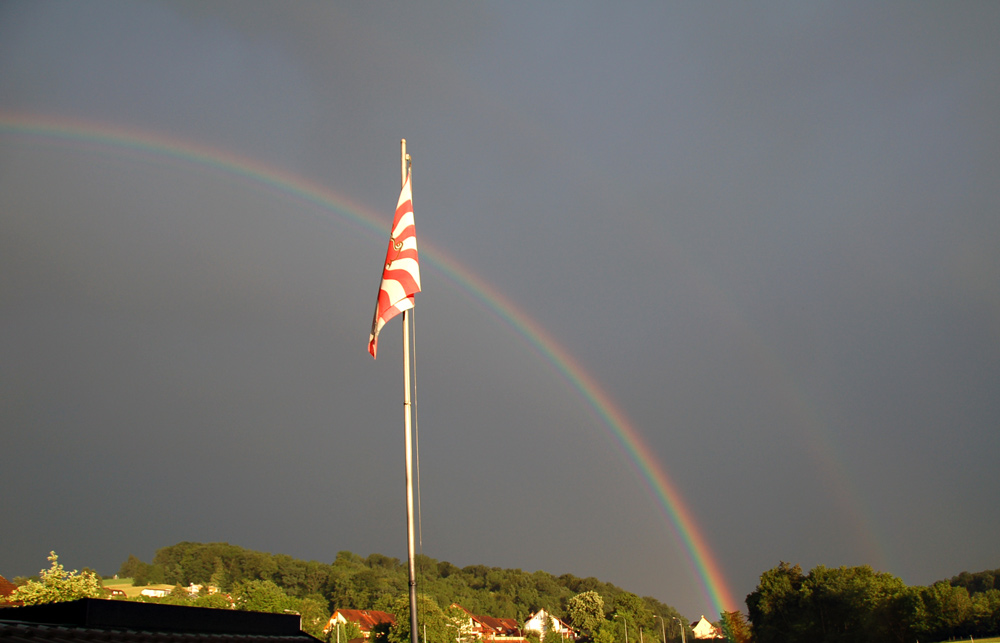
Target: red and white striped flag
<point>401,274</point>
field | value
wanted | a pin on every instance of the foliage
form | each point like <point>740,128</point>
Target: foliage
<point>132,568</point>
<point>219,577</point>
<point>853,604</point>
<point>355,582</point>
<point>945,611</point>
<point>857,604</point>
<point>843,605</point>
<point>56,585</point>
<point>552,635</point>
<point>314,615</point>
<point>214,601</point>
<point>344,632</point>
<point>261,596</point>
<point>177,596</point>
<point>979,582</point>
<point>735,627</point>
<point>437,625</point>
<point>775,604</point>
<point>606,633</point>
<point>586,610</point>
<point>141,573</point>
<point>634,614</point>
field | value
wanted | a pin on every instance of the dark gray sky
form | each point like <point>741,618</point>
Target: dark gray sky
<point>769,233</point>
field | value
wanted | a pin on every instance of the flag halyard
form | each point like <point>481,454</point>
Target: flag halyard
<point>401,270</point>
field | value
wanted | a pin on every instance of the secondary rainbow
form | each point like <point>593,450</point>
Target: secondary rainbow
<point>677,515</point>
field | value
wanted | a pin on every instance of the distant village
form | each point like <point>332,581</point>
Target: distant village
<point>490,628</point>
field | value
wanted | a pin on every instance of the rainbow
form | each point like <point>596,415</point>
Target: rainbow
<point>677,515</point>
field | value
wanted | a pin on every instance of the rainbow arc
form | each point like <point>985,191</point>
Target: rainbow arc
<point>678,517</point>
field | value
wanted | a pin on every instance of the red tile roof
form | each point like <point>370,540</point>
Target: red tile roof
<point>493,626</point>
<point>502,626</point>
<point>6,589</point>
<point>367,619</point>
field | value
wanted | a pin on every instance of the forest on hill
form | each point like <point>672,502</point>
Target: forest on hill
<point>355,582</point>
<point>825,605</point>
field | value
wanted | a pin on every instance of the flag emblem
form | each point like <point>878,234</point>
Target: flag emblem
<point>401,271</point>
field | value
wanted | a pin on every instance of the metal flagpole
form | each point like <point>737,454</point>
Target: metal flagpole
<point>410,539</point>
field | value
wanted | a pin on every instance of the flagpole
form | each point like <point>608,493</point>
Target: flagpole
<point>410,532</point>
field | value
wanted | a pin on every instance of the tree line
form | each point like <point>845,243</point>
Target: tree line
<point>382,582</point>
<point>860,605</point>
<point>825,605</point>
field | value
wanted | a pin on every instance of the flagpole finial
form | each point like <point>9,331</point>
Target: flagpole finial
<point>403,158</point>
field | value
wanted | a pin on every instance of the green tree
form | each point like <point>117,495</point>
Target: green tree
<point>735,627</point>
<point>841,605</point>
<point>851,604</point>
<point>156,575</point>
<point>131,568</point>
<point>775,605</point>
<point>219,577</point>
<point>945,609</point>
<point>314,614</point>
<point>56,585</point>
<point>177,596</point>
<point>261,596</point>
<point>139,572</point>
<point>214,601</point>
<point>344,632</point>
<point>606,633</point>
<point>982,613</point>
<point>633,613</point>
<point>988,618</point>
<point>437,625</point>
<point>586,611</point>
<point>978,583</point>
<point>551,634</point>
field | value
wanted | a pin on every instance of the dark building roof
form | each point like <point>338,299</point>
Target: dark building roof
<point>104,621</point>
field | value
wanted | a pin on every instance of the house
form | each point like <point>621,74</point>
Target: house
<point>491,628</point>
<point>541,621</point>
<point>6,589</point>
<point>92,619</point>
<point>702,629</point>
<point>155,592</point>
<point>366,620</point>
